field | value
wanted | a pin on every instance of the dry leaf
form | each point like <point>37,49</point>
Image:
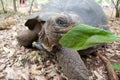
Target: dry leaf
<point>6,49</point>
<point>36,72</point>
<point>10,73</point>
<point>57,78</point>
<point>39,67</point>
<point>40,78</point>
<point>2,76</point>
<point>2,66</point>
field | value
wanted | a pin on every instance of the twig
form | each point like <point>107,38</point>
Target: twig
<point>3,6</point>
<point>113,2</point>
<point>111,73</point>
<point>31,7</point>
<point>112,13</point>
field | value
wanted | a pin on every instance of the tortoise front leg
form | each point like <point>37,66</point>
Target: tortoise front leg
<point>70,62</point>
<point>26,37</point>
<point>72,65</point>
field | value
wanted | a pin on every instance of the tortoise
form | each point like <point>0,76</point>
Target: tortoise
<point>53,21</point>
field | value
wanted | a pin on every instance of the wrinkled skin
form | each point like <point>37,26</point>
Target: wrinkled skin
<point>48,26</point>
<point>72,65</point>
<point>55,28</point>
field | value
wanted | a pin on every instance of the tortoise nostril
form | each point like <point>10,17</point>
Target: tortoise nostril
<point>42,23</point>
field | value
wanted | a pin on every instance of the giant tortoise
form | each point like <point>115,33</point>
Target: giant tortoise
<point>53,21</point>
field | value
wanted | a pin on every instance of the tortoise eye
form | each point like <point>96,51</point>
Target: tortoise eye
<point>61,22</point>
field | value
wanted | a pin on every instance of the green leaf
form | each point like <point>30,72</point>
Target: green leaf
<point>103,1</point>
<point>116,66</point>
<point>108,1</point>
<point>83,36</point>
<point>44,1</point>
<point>100,1</point>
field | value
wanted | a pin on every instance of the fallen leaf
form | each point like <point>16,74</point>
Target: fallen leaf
<point>6,49</point>
<point>36,72</point>
<point>40,77</point>
<point>12,51</point>
<point>2,66</point>
<point>39,67</point>
<point>2,76</point>
<point>57,78</point>
<point>10,73</point>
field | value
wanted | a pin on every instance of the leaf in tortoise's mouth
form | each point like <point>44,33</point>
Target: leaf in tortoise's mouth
<point>84,36</point>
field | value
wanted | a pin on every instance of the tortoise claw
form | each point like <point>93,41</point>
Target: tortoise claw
<point>38,45</point>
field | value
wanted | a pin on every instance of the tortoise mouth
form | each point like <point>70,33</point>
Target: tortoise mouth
<point>60,32</point>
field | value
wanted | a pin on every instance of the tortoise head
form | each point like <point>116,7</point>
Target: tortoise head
<point>51,26</point>
<point>55,27</point>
